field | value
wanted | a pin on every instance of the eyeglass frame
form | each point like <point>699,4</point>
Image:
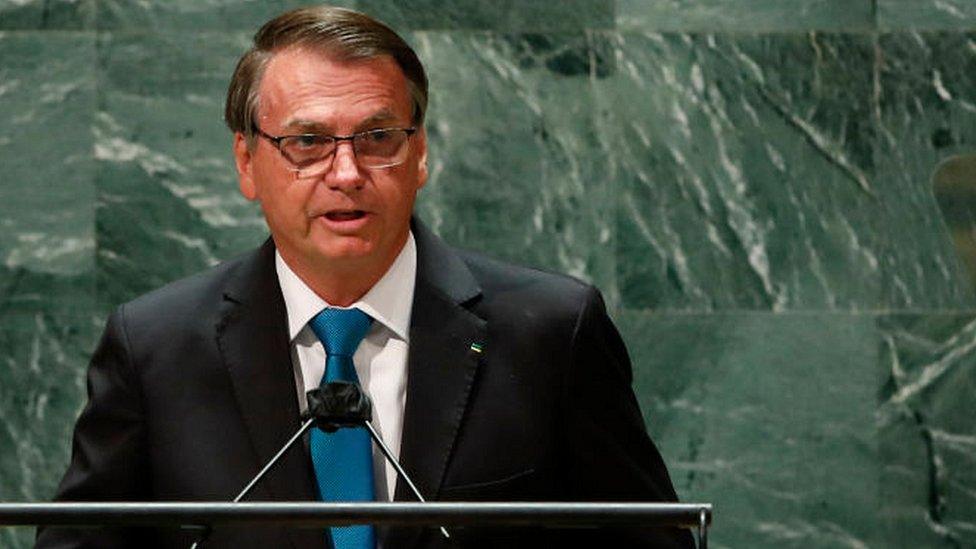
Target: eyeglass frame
<point>276,140</point>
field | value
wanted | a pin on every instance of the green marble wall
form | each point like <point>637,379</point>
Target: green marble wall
<point>749,182</point>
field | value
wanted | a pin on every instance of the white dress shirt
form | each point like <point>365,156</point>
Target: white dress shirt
<point>381,358</point>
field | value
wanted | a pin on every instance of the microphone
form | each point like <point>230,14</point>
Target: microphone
<point>332,406</point>
<point>340,404</point>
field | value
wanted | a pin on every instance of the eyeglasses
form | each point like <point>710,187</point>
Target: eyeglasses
<point>311,154</point>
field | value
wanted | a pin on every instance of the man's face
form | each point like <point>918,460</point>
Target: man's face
<point>349,218</point>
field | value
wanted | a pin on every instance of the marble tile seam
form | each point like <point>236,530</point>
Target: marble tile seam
<point>603,34</point>
<point>65,32</point>
<point>135,31</point>
<point>776,32</point>
<point>744,32</point>
<point>516,32</point>
<point>126,31</point>
<point>790,312</point>
<point>36,316</point>
<point>752,33</point>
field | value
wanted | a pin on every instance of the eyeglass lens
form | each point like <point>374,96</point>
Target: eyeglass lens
<point>312,154</point>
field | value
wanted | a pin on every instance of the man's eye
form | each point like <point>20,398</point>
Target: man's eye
<point>310,140</point>
<point>378,136</point>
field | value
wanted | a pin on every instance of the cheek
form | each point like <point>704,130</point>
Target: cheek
<point>284,204</point>
<point>400,202</point>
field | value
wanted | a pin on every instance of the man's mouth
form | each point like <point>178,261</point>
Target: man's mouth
<point>344,215</point>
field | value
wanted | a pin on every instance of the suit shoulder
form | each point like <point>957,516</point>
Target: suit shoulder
<point>529,287</point>
<point>194,295</point>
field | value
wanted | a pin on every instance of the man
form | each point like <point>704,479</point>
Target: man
<point>490,382</point>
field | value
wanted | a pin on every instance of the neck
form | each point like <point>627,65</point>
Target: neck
<point>341,291</point>
<point>340,283</point>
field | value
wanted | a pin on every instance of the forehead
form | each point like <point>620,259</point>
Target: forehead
<point>314,88</point>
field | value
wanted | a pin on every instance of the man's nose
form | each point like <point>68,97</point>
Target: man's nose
<point>345,172</point>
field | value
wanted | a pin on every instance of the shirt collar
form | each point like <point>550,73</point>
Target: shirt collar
<point>388,302</point>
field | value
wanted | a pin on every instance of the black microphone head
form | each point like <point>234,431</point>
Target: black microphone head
<point>339,404</point>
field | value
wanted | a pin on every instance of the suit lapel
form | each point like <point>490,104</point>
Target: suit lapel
<point>441,369</point>
<point>253,339</point>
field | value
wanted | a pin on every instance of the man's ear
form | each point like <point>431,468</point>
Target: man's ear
<point>245,174</point>
<point>420,141</point>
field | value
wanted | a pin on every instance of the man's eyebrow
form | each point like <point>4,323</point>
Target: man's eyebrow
<point>301,125</point>
<point>382,115</point>
<point>304,126</point>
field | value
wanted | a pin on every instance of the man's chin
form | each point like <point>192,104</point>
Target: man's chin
<point>349,250</point>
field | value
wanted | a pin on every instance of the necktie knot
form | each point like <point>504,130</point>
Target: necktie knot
<point>340,330</point>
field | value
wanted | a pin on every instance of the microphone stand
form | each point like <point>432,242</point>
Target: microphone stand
<point>205,534</point>
<point>344,404</point>
<point>298,434</point>
<point>396,465</point>
<point>334,405</point>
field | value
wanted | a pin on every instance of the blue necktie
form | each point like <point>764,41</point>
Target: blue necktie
<point>343,460</point>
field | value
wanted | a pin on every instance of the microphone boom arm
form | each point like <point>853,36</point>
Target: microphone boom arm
<point>205,533</point>
<point>353,408</point>
<point>396,464</point>
<point>339,404</point>
<point>301,431</point>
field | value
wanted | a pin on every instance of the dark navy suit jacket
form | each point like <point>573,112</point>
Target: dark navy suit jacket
<point>192,390</point>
